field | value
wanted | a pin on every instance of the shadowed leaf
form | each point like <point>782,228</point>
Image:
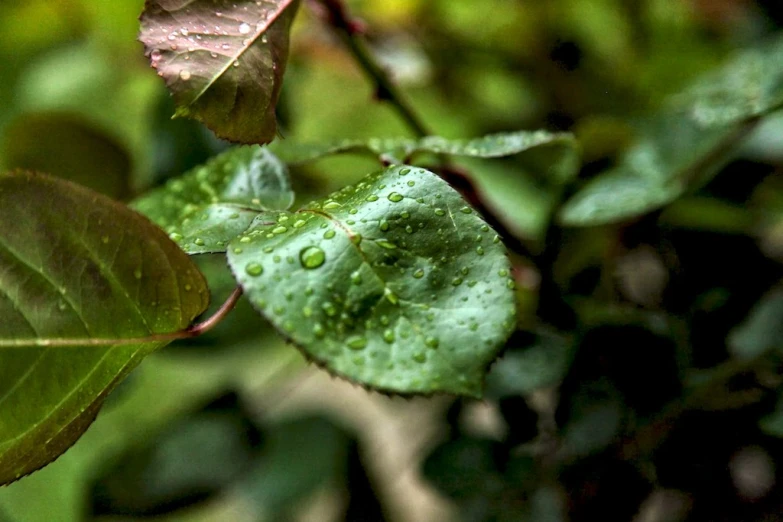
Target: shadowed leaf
<point>210,205</point>
<point>393,283</point>
<point>75,265</point>
<point>223,61</point>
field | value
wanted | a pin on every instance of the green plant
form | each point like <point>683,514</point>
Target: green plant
<point>408,282</point>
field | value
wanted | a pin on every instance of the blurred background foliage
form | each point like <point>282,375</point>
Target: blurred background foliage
<point>584,417</point>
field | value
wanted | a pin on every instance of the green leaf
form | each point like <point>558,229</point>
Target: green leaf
<point>686,144</point>
<point>393,283</point>
<point>749,85</point>
<point>563,163</point>
<point>762,331</point>
<point>673,153</point>
<point>524,370</point>
<point>189,462</point>
<point>210,205</point>
<point>65,146</point>
<point>223,61</point>
<point>76,266</point>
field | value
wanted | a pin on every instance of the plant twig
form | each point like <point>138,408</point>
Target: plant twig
<point>193,331</point>
<point>350,31</point>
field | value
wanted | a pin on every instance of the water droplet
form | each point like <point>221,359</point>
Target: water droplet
<point>198,241</point>
<point>411,183</point>
<point>480,250</point>
<point>388,336</point>
<point>390,296</point>
<point>456,281</point>
<point>184,75</point>
<point>510,284</point>
<point>319,331</point>
<point>329,234</point>
<point>440,212</point>
<point>356,278</point>
<point>356,239</point>
<point>174,237</point>
<point>254,269</point>
<point>299,223</point>
<point>420,357</point>
<point>409,229</point>
<point>432,342</point>
<point>371,198</point>
<point>384,225</point>
<point>331,205</point>
<point>279,230</point>
<point>312,257</point>
<point>329,309</point>
<point>502,272</point>
<point>244,28</point>
<point>356,342</point>
<point>394,197</point>
<point>466,210</point>
<point>405,172</point>
<point>137,273</point>
<point>418,274</point>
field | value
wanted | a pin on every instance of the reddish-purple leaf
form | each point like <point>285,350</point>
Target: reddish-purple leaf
<point>222,60</point>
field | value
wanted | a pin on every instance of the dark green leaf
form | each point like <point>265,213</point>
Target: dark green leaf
<point>298,457</point>
<point>69,148</point>
<point>393,283</point>
<point>210,205</point>
<point>187,463</point>
<point>762,331</point>
<point>223,61</point>
<point>524,370</point>
<point>75,265</point>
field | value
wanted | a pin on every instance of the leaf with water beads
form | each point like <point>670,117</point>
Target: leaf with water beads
<point>76,268</point>
<point>562,164</point>
<point>394,283</point>
<point>223,61</point>
<point>207,207</point>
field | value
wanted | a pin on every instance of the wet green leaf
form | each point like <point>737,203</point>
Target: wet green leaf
<point>749,85</point>
<point>686,144</point>
<point>562,164</point>
<point>210,205</point>
<point>75,265</point>
<point>223,61</point>
<point>394,283</point>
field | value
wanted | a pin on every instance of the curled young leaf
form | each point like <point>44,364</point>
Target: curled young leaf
<point>78,272</point>
<point>222,60</point>
<point>394,283</point>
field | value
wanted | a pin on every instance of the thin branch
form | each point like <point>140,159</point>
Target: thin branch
<point>350,31</point>
<point>193,331</point>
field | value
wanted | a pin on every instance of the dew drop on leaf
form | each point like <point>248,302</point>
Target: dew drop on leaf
<point>312,257</point>
<point>254,269</point>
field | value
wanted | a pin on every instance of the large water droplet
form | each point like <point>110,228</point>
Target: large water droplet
<point>312,257</point>
<point>356,342</point>
<point>329,234</point>
<point>244,28</point>
<point>394,197</point>
<point>254,269</point>
<point>388,245</point>
<point>418,274</point>
<point>388,336</point>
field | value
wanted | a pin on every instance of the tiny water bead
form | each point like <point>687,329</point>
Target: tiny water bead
<point>312,257</point>
<point>254,269</point>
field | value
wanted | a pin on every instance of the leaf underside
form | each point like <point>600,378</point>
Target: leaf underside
<point>76,265</point>
<point>222,60</point>
<point>393,283</point>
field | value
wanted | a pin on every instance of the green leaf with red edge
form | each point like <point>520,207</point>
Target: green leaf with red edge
<point>78,272</point>
<point>222,60</point>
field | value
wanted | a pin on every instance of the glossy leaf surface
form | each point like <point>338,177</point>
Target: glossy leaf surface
<point>393,283</point>
<point>75,265</point>
<point>223,61</point>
